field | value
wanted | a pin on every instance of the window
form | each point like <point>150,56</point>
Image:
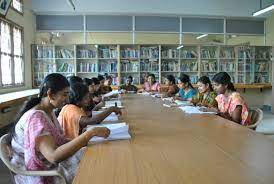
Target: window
<point>12,66</point>
<point>18,5</point>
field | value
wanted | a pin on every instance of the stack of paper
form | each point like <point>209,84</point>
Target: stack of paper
<point>194,110</point>
<point>182,103</point>
<point>111,117</point>
<point>118,131</point>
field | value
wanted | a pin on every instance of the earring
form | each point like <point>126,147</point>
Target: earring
<point>50,101</point>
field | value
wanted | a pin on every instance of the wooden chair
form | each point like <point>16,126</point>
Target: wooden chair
<point>5,155</point>
<point>256,116</point>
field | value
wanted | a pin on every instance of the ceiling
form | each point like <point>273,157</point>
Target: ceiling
<point>201,8</point>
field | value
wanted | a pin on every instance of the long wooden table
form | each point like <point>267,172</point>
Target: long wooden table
<point>170,147</point>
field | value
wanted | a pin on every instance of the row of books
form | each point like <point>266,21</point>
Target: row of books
<point>227,67</point>
<point>129,53</point>
<point>66,68</point>
<point>210,66</point>
<point>245,53</point>
<point>262,54</point>
<point>64,53</point>
<point>39,77</point>
<point>194,79</point>
<point>261,78</point>
<point>228,53</point>
<point>261,67</point>
<point>150,52</point>
<point>129,66</point>
<point>45,67</point>
<point>245,79</point>
<point>110,52</point>
<point>189,66</point>
<point>189,54</point>
<point>84,53</point>
<point>146,65</point>
<point>108,67</point>
<point>87,67</point>
<point>43,52</point>
<point>209,53</point>
<point>245,67</point>
<point>170,66</point>
<point>170,53</point>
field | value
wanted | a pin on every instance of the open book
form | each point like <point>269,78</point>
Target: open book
<point>118,131</point>
<point>111,117</point>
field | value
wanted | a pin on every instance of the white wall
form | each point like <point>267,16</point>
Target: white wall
<point>27,21</point>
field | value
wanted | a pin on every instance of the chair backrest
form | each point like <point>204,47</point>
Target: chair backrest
<point>256,116</point>
<point>5,155</point>
<point>6,152</point>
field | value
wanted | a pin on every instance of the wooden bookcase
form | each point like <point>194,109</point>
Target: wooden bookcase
<point>250,65</point>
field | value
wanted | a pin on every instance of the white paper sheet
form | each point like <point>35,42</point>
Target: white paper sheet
<point>144,93</point>
<point>194,110</point>
<point>179,102</point>
<point>111,117</point>
<point>118,131</point>
<point>170,99</point>
<point>112,103</point>
<point>114,92</point>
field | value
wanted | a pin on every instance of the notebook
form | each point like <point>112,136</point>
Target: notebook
<point>111,117</point>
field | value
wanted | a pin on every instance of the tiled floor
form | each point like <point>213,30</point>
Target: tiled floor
<point>266,125</point>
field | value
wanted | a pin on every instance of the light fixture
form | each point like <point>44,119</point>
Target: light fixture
<point>202,36</point>
<point>264,10</point>
<point>180,46</point>
<point>70,2</point>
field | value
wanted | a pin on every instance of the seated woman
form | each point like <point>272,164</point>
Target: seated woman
<point>107,83</point>
<point>206,96</point>
<point>186,91</point>
<point>231,105</point>
<point>73,117</point>
<point>172,89</point>
<point>95,90</point>
<point>129,86</point>
<point>37,139</point>
<point>151,85</point>
<point>96,102</point>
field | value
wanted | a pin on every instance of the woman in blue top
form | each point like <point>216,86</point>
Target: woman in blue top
<point>186,91</point>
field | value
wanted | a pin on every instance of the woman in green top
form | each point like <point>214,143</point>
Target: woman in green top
<point>206,96</point>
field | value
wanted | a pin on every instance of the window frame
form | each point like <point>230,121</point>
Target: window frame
<point>13,85</point>
<point>14,9</point>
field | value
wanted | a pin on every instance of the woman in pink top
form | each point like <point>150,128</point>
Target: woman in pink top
<point>151,85</point>
<point>37,140</point>
<point>231,105</point>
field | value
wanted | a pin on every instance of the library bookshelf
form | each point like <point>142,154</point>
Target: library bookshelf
<point>248,66</point>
